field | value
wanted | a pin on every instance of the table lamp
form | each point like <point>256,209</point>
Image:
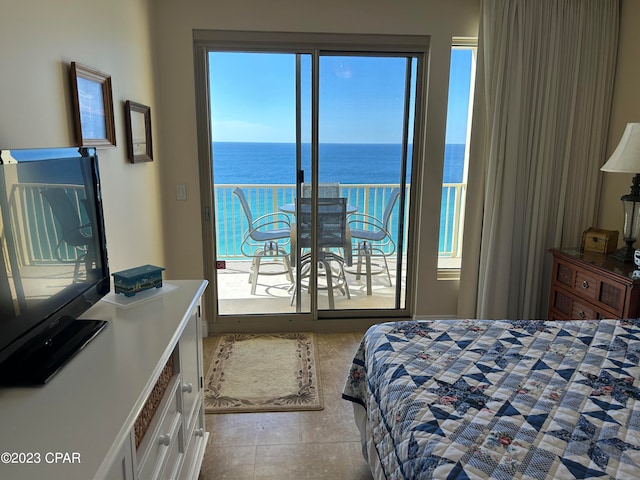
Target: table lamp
<point>626,159</point>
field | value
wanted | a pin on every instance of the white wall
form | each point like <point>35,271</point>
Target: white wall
<point>38,40</point>
<point>626,109</point>
<point>173,23</point>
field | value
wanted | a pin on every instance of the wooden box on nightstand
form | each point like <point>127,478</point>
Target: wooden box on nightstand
<point>588,285</point>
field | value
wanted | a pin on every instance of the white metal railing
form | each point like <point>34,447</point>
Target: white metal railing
<point>36,232</point>
<point>369,199</point>
<point>451,219</point>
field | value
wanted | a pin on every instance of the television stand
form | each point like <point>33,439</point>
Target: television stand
<point>128,406</point>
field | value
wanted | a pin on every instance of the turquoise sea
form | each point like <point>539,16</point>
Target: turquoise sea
<point>274,164</point>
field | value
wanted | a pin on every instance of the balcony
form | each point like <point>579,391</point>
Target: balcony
<point>272,294</point>
<point>37,240</point>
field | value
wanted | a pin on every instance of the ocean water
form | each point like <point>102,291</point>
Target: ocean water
<point>274,164</point>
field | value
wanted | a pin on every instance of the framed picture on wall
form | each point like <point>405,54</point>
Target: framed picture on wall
<point>92,107</point>
<point>138,126</point>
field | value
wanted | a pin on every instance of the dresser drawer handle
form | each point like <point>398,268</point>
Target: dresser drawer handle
<point>187,387</point>
<point>581,314</point>
<point>164,440</point>
<point>585,284</point>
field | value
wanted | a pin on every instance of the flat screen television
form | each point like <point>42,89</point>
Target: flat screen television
<point>53,260</point>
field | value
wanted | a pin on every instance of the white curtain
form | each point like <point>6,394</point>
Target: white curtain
<point>543,97</point>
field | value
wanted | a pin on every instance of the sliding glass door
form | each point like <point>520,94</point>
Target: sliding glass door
<point>365,107</point>
<point>257,149</point>
<point>311,160</point>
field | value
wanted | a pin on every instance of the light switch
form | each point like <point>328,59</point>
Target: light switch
<point>181,192</point>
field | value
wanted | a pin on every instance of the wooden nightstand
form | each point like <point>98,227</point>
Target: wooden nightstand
<point>587,285</point>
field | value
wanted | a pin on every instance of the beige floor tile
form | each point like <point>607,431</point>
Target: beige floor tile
<point>308,461</point>
<point>333,424</point>
<point>232,429</point>
<point>292,445</point>
<point>255,428</point>
<point>236,463</point>
<point>333,373</point>
<point>338,345</point>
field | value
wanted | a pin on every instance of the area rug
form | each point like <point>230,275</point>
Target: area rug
<point>263,372</point>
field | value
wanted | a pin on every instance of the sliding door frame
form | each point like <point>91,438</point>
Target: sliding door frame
<point>315,44</point>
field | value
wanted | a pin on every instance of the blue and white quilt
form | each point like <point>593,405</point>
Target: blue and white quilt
<point>457,399</point>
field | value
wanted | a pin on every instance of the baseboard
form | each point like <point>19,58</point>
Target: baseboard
<point>205,328</point>
<point>257,325</point>
<point>434,317</point>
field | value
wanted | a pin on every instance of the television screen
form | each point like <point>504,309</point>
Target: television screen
<point>53,260</point>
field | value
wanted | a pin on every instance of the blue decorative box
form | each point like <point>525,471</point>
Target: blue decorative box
<point>134,280</point>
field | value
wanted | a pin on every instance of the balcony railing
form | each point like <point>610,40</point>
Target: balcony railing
<point>369,199</point>
<point>37,239</point>
<point>36,233</point>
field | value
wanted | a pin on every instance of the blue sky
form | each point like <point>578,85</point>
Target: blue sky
<point>361,98</point>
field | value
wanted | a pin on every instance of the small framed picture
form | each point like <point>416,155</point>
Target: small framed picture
<point>92,107</point>
<point>138,126</point>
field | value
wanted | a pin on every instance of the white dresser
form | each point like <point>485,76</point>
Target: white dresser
<point>146,365</point>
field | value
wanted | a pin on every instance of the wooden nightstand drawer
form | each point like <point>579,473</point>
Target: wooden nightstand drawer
<point>586,285</point>
<point>571,308</point>
<point>613,295</point>
<point>592,286</point>
<point>581,311</point>
<point>604,293</point>
<point>561,302</point>
<point>564,274</point>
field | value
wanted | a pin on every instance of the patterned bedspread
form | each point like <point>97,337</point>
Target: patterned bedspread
<point>455,399</point>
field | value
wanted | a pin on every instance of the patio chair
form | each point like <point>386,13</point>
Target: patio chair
<point>72,232</point>
<point>266,237</point>
<point>374,240</point>
<point>332,234</point>
<point>325,190</point>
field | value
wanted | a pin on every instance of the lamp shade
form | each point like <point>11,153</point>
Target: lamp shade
<point>626,156</point>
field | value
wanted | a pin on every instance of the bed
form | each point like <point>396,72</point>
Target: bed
<point>456,399</point>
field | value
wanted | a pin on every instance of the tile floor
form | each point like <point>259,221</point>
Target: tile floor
<point>316,445</point>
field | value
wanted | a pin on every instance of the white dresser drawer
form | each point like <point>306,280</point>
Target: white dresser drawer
<point>163,432</point>
<point>191,368</point>
<point>196,445</point>
<point>196,441</point>
<point>173,461</point>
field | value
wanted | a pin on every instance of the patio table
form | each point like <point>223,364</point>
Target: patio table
<point>291,208</point>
